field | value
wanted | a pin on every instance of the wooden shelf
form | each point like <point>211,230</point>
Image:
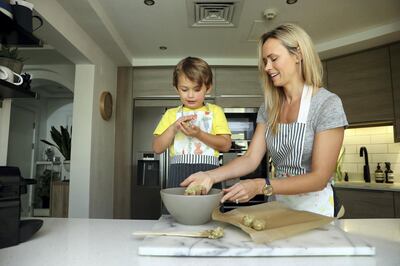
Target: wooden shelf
<point>13,34</point>
<point>8,90</point>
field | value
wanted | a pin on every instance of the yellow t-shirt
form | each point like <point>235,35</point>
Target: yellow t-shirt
<point>219,124</point>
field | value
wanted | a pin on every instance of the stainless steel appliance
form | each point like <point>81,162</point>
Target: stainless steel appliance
<point>242,122</point>
<point>149,171</point>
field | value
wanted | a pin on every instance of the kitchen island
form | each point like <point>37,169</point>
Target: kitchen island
<point>109,242</point>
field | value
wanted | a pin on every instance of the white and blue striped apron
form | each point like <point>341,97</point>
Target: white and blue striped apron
<point>191,155</point>
<point>286,150</point>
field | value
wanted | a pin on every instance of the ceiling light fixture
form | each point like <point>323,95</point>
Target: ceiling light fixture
<point>163,48</point>
<point>149,2</point>
<point>291,2</point>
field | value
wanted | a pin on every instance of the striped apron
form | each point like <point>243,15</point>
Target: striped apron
<point>286,150</point>
<point>191,155</point>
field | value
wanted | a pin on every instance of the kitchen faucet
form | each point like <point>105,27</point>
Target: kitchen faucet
<point>363,151</point>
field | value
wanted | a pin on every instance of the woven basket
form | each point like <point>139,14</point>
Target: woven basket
<point>12,64</point>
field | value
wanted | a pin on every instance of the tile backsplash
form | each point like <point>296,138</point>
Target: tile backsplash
<point>380,146</point>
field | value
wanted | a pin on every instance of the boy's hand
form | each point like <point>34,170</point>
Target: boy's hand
<point>181,121</point>
<point>189,129</point>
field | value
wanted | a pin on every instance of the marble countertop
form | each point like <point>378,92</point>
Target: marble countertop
<point>109,242</point>
<point>370,186</point>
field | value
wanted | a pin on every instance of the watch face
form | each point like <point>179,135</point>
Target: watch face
<point>267,190</point>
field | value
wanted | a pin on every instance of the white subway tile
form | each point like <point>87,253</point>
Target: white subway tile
<point>383,138</point>
<point>375,148</point>
<point>385,157</point>
<point>352,158</point>
<point>370,131</point>
<point>350,132</point>
<point>357,140</point>
<point>394,148</point>
<point>349,167</point>
<point>351,148</point>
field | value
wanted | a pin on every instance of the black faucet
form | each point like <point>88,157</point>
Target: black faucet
<point>367,176</point>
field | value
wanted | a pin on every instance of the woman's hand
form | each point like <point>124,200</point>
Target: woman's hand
<point>200,178</point>
<point>244,190</point>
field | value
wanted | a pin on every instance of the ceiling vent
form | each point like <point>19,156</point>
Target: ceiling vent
<point>213,13</point>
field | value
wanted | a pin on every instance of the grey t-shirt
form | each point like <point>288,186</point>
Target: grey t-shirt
<point>326,112</point>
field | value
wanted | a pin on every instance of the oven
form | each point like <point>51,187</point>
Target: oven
<point>242,122</point>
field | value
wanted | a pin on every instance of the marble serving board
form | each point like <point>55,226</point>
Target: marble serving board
<point>327,241</point>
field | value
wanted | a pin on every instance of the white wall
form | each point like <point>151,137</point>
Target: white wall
<point>92,158</point>
<point>5,112</point>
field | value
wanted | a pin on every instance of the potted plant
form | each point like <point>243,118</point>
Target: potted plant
<point>62,141</point>
<point>9,57</point>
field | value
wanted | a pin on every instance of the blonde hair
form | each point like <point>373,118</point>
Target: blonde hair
<point>296,41</point>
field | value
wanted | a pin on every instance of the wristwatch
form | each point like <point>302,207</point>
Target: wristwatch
<point>267,189</point>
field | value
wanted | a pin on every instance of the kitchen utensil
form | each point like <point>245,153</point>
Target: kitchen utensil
<point>190,210</point>
<point>212,233</point>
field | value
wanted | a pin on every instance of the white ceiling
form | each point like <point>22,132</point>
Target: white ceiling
<point>131,32</point>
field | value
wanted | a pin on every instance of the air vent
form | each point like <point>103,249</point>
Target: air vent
<point>213,14</point>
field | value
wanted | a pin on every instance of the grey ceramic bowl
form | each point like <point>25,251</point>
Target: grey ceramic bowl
<point>190,210</point>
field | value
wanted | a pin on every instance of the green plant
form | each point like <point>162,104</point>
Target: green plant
<point>62,140</point>
<point>12,53</point>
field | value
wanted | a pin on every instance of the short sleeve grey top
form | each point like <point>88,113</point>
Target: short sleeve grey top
<point>326,112</point>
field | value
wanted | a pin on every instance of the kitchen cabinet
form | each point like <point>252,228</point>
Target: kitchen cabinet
<point>367,203</point>
<point>395,67</point>
<point>397,204</point>
<point>237,81</point>
<point>325,75</point>
<point>155,82</point>
<point>59,199</point>
<point>238,87</point>
<point>362,81</point>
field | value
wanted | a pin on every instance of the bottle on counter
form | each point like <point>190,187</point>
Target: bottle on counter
<point>346,177</point>
<point>379,174</point>
<point>389,173</point>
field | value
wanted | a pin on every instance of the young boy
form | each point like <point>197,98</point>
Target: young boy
<point>196,131</point>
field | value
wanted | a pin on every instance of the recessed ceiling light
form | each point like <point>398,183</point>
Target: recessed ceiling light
<point>149,2</point>
<point>163,48</point>
<point>291,2</point>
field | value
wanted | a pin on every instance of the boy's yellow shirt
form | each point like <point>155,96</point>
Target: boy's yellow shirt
<point>219,125</point>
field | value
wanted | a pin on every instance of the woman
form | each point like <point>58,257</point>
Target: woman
<point>301,124</point>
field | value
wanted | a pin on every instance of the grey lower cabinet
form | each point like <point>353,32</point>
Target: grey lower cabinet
<point>363,82</point>
<point>395,67</point>
<point>361,203</point>
<point>397,204</point>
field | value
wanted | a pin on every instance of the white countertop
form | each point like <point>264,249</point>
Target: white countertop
<point>109,242</point>
<point>370,186</point>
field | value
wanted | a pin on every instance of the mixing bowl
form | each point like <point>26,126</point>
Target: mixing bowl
<point>190,210</point>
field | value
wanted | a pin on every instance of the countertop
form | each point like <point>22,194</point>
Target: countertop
<point>109,242</point>
<point>369,186</point>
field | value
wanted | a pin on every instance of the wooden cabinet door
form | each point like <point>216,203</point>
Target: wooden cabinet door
<point>366,203</point>
<point>237,81</point>
<point>153,82</point>
<point>395,67</point>
<point>363,83</point>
